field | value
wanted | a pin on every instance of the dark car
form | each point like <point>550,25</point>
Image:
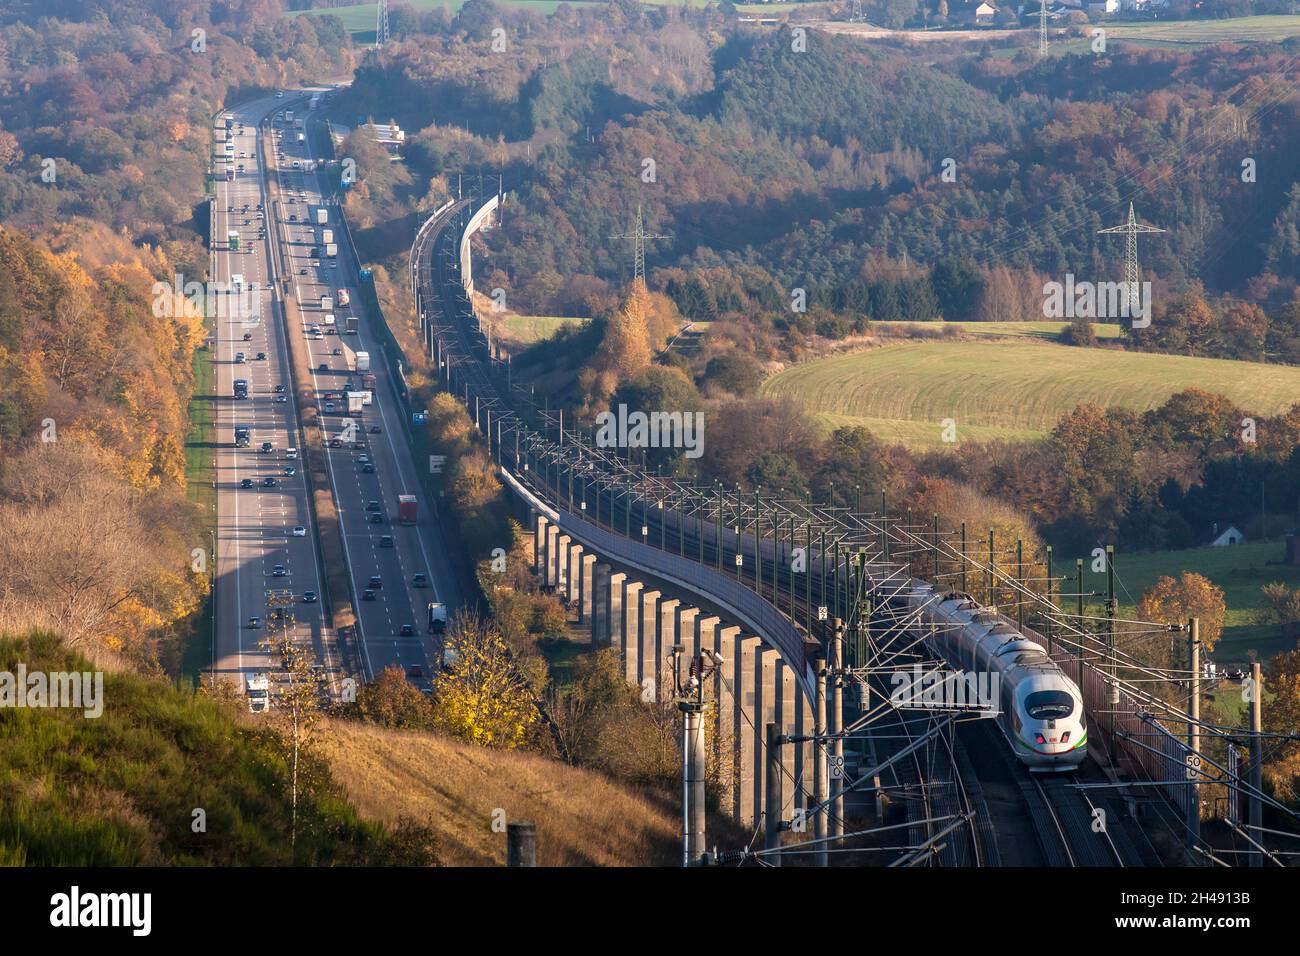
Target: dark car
<point>254,622</point>
<point>368,468</point>
<point>309,597</point>
<point>386,541</point>
<point>372,506</point>
<point>376,518</point>
<point>261,357</point>
<point>406,631</point>
<point>367,595</point>
<point>248,336</point>
<point>269,482</point>
<point>420,581</point>
<point>374,429</point>
<point>415,671</point>
<point>246,483</point>
<point>279,388</point>
<point>376,581</point>
<point>336,442</point>
<point>323,367</point>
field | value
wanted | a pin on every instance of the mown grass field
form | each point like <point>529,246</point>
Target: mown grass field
<point>1009,388</point>
<point>1240,571</point>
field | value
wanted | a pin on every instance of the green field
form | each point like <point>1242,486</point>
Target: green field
<point>1008,388</point>
<point>1202,32</point>
<point>1038,330</point>
<point>1240,570</point>
<point>535,328</point>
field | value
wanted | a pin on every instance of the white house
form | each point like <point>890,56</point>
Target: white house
<point>1229,536</point>
<point>985,12</point>
<point>1103,6</point>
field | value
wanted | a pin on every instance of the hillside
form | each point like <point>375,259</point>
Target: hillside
<point>582,818</point>
<point>1009,389</point>
<point>121,789</point>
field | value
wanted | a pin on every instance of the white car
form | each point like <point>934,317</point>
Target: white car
<point>299,532</point>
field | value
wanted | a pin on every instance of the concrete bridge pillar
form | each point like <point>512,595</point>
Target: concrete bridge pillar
<point>763,713</point>
<point>804,724</point>
<point>599,595</point>
<point>745,807</point>
<point>585,581</point>
<point>540,524</point>
<point>552,573</point>
<point>631,637</point>
<point>563,546</point>
<point>786,704</point>
<point>684,629</point>
<point>649,673</point>
<point>613,630</point>
<point>665,638</point>
<point>573,586</point>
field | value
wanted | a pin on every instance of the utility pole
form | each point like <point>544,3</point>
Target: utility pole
<point>837,717</point>
<point>1256,761</point>
<point>1194,733</point>
<point>381,23</point>
<point>772,793</point>
<point>692,782</point>
<point>1132,274</point>
<point>1042,28</point>
<point>819,768</point>
<point>638,235</point>
<point>1111,607</point>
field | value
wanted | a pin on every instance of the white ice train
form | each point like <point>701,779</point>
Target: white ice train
<point>1041,710</point>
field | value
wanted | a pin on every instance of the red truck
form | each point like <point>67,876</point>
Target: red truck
<point>408,509</point>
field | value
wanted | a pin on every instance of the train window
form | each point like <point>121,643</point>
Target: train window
<point>1049,705</point>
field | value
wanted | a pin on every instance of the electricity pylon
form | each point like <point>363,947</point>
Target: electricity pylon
<point>381,23</point>
<point>638,237</point>
<point>1130,230</point>
<point>1042,28</point>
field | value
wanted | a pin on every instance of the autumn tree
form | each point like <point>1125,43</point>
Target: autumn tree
<point>1190,595</point>
<point>481,697</point>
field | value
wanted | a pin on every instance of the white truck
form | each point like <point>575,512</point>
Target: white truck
<point>363,361</point>
<point>314,101</point>
<point>322,215</point>
<point>236,283</point>
<point>327,236</point>
<point>258,687</point>
<point>326,303</point>
<point>302,138</point>
<point>288,116</point>
<point>330,324</point>
<point>356,401</point>
<point>331,250</point>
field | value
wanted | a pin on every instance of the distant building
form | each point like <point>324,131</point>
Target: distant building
<point>388,135</point>
<point>985,12</point>
<point>1103,7</point>
<point>1229,536</point>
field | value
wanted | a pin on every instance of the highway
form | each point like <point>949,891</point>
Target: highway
<point>258,551</point>
<point>372,463</point>
<point>257,546</point>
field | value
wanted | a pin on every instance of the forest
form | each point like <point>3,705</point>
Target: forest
<point>104,142</point>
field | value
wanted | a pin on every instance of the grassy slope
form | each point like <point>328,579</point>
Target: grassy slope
<point>1019,388</point>
<point>582,818</point>
<point>119,790</point>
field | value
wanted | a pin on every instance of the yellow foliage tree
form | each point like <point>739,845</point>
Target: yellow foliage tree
<point>1191,595</point>
<point>482,698</point>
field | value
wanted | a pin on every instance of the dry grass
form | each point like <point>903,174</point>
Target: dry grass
<point>582,818</point>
